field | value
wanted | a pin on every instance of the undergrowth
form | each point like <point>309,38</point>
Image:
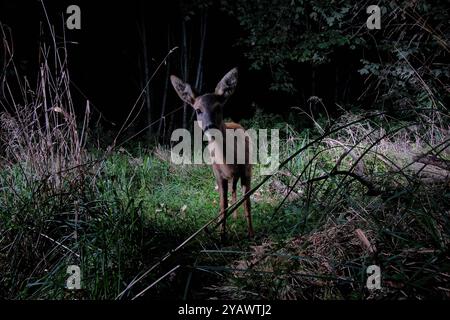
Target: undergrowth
<point>364,189</point>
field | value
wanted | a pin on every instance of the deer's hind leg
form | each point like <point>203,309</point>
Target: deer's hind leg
<point>223,192</point>
<point>246,186</point>
<point>233,195</point>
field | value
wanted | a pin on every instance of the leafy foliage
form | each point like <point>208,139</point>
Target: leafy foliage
<point>399,59</point>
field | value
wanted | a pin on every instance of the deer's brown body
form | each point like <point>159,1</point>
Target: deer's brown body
<point>210,116</point>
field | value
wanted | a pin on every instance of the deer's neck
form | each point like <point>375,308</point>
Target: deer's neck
<point>217,147</point>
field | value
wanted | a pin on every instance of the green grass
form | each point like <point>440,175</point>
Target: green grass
<point>130,209</point>
<point>137,209</point>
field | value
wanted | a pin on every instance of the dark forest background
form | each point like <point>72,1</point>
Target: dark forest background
<point>287,52</point>
<point>87,178</point>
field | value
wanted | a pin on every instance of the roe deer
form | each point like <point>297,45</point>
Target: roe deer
<point>209,110</point>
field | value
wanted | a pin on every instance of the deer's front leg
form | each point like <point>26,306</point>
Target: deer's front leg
<point>223,191</point>
<point>234,196</point>
<point>247,206</point>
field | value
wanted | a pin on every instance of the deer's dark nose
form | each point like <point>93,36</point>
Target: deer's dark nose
<point>210,126</point>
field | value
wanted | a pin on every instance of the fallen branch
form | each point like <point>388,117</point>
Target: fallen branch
<point>433,160</point>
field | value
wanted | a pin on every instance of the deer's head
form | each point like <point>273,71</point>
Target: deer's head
<point>208,107</point>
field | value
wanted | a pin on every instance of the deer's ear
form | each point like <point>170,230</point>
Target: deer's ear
<point>183,90</point>
<point>228,83</point>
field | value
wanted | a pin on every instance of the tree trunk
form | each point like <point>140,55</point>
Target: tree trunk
<point>184,66</point>
<point>336,85</point>
<point>313,80</point>
<point>166,86</point>
<point>146,78</point>
<point>199,76</point>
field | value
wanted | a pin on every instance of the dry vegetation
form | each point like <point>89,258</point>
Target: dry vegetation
<point>371,189</point>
